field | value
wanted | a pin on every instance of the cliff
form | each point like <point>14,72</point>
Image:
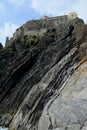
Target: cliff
<point>43,76</point>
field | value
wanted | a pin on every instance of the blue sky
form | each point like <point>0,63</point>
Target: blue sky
<point>14,13</point>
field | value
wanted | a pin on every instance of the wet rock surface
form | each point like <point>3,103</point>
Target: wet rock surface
<point>43,80</point>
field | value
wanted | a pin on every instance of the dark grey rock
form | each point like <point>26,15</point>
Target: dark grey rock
<point>1,46</point>
<point>37,87</point>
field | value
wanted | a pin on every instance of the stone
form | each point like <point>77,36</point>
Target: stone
<point>43,85</point>
<point>59,129</point>
<point>74,127</point>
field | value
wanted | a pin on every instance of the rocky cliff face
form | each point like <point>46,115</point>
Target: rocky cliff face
<point>43,78</point>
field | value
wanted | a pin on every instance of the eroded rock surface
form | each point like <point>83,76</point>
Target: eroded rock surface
<point>43,80</point>
<point>68,110</point>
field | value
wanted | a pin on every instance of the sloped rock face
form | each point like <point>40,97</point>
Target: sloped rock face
<point>43,86</point>
<point>68,110</point>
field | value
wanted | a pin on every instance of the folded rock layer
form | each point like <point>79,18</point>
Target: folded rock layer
<point>43,76</point>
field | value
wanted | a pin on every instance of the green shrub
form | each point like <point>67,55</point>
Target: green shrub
<point>33,39</point>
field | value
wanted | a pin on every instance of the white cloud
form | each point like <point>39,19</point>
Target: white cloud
<point>81,8</point>
<point>17,2</point>
<point>60,7</point>
<point>7,31</point>
<point>53,7</point>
